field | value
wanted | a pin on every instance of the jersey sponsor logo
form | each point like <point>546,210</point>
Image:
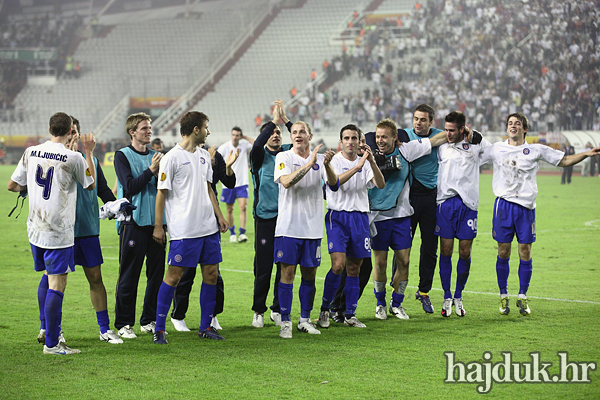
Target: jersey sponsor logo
<point>465,146</point>
<point>526,151</point>
<point>316,167</point>
<point>186,163</point>
<point>281,166</point>
<point>178,258</point>
<point>87,172</point>
<point>163,176</point>
<point>202,160</point>
<point>131,243</point>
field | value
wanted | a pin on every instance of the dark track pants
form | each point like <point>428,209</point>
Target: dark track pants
<point>264,247</point>
<point>135,244</point>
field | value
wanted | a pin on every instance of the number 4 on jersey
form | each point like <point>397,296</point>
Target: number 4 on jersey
<point>46,182</point>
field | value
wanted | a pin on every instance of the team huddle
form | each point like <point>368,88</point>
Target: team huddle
<point>378,189</point>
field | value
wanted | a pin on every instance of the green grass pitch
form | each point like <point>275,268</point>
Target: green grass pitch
<point>389,359</point>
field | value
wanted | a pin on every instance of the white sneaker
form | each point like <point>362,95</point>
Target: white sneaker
<point>308,327</point>
<point>323,320</point>
<point>354,322</point>
<point>399,312</point>
<point>180,325</point>
<point>380,312</point>
<point>148,328</point>
<point>127,333</point>
<point>42,337</point>
<point>215,324</point>
<point>276,317</point>
<point>286,330</point>
<point>447,308</point>
<point>110,337</point>
<point>60,349</point>
<point>258,320</point>
<point>232,239</point>
<point>458,307</point>
<point>242,238</point>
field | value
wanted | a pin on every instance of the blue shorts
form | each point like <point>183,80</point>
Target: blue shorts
<point>228,196</point>
<point>87,252</point>
<point>306,252</point>
<point>348,232</point>
<point>191,252</point>
<point>510,218</point>
<point>393,233</point>
<point>53,261</point>
<point>455,220</point>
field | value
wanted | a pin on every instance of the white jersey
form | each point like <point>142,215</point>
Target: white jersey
<point>301,208</point>
<point>240,166</point>
<point>458,173</point>
<point>50,172</point>
<point>515,169</point>
<point>188,208</point>
<point>410,151</point>
<point>352,195</point>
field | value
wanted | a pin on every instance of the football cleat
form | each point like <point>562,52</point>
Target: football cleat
<point>242,238</point>
<point>210,333</point>
<point>398,312</point>
<point>308,327</point>
<point>159,337</point>
<point>60,349</point>
<point>323,320</point>
<point>380,312</point>
<point>504,308</point>
<point>286,330</point>
<point>427,306</point>
<point>110,337</point>
<point>354,322</point>
<point>337,316</point>
<point>447,308</point>
<point>523,306</point>
<point>458,307</point>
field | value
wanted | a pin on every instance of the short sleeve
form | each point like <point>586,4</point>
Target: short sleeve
<point>415,149</point>
<point>282,166</point>
<point>166,171</point>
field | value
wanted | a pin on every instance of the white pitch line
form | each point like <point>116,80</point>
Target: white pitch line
<point>464,291</point>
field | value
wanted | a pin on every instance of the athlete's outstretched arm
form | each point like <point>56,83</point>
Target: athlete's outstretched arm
<point>573,159</point>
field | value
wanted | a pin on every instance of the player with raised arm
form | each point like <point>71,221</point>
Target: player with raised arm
<point>391,211</point>
<point>49,173</point>
<point>266,191</point>
<point>516,163</point>
<point>347,222</point>
<point>458,201</point>
<point>184,179</point>
<point>299,228</point>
